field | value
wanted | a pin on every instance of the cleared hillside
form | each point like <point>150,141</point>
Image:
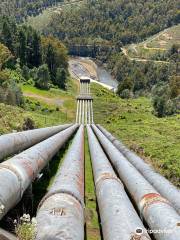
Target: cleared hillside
<point>155,45</point>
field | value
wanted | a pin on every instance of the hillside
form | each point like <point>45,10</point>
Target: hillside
<point>45,108</point>
<point>21,9</point>
<point>132,121</point>
<point>113,22</point>
<point>154,46</point>
<point>155,139</point>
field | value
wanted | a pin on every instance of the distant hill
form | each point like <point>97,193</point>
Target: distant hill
<point>155,46</point>
<point>20,9</point>
<point>118,22</point>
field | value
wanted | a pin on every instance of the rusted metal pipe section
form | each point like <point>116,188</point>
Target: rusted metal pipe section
<point>13,143</point>
<point>119,219</point>
<point>165,188</point>
<point>156,210</point>
<point>17,173</point>
<point>61,212</point>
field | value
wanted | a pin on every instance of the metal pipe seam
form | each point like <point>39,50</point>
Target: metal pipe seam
<point>107,176</point>
<point>119,219</point>
<point>64,203</point>
<point>12,143</point>
<point>165,188</point>
<point>62,187</point>
<point>70,177</point>
<point>63,191</point>
<point>65,219</point>
<point>158,213</point>
<point>18,172</point>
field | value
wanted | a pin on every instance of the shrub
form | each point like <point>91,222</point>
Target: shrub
<point>60,79</point>
<point>10,93</point>
<point>26,228</point>
<point>162,103</point>
<point>28,124</point>
<point>43,77</point>
<point>126,94</point>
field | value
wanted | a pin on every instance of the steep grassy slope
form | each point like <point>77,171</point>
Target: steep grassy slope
<point>46,108</point>
<point>155,139</point>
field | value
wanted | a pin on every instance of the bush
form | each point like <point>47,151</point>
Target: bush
<point>28,124</point>
<point>26,228</point>
<point>126,84</point>
<point>126,94</point>
<point>60,79</point>
<point>10,93</point>
<point>42,77</point>
<point>162,102</point>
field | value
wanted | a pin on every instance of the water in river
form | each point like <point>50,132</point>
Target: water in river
<point>103,75</point>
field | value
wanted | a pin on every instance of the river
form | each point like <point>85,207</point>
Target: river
<point>87,67</point>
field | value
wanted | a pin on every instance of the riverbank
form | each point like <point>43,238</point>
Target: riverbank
<point>79,66</point>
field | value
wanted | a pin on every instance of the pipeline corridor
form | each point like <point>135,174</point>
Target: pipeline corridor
<point>133,200</point>
<point>84,113</point>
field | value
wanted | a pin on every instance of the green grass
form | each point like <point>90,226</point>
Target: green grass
<point>41,106</point>
<point>92,224</point>
<point>154,139</point>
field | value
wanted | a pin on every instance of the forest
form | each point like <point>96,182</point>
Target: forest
<point>29,58</point>
<point>97,29</point>
<point>20,9</point>
<point>114,22</point>
<point>159,81</point>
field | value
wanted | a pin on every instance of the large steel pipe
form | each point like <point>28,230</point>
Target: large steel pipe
<point>166,189</point>
<point>61,212</point>
<point>119,219</point>
<point>156,210</point>
<point>13,143</point>
<point>80,111</point>
<point>77,112</point>
<point>17,173</point>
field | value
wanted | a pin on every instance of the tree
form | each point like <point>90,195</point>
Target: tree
<point>36,45</point>
<point>60,80</point>
<point>127,83</point>
<point>175,86</point>
<point>139,81</point>
<point>43,77</point>
<point>162,103</point>
<point>22,47</point>
<point>9,90</point>
<point>55,56</point>
<point>7,35</point>
<point>5,55</point>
